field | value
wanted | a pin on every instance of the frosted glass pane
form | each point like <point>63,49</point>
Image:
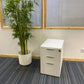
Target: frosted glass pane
<point>65,12</point>
<point>5,18</point>
<point>36,16</point>
<point>53,13</point>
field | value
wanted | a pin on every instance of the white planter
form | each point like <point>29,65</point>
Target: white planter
<point>25,59</point>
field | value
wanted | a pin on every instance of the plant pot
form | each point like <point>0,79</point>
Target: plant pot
<point>25,59</point>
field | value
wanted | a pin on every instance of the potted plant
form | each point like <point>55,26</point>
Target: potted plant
<point>19,13</point>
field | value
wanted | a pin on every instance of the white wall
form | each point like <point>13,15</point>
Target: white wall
<point>74,41</point>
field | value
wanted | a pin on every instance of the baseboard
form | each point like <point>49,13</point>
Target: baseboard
<point>73,59</point>
<point>8,55</point>
<point>38,57</point>
<point>15,56</point>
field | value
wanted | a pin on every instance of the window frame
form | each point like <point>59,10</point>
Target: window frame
<point>8,27</point>
<point>56,27</point>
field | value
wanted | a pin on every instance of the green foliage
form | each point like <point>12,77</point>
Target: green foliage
<point>19,13</point>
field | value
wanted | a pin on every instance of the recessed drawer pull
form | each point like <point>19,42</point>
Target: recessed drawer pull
<point>50,63</point>
<point>51,49</point>
<point>50,57</point>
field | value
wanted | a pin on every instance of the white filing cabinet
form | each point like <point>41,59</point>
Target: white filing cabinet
<point>51,53</point>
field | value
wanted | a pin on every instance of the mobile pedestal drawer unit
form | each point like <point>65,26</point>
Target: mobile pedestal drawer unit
<point>51,53</point>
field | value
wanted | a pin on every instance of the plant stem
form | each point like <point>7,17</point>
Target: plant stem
<point>21,37</point>
<point>26,49</point>
<point>22,49</point>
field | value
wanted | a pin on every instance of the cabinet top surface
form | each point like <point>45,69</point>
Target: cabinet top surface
<point>53,43</point>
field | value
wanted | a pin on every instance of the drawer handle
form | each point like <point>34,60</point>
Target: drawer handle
<point>50,63</point>
<point>50,57</point>
<point>51,49</point>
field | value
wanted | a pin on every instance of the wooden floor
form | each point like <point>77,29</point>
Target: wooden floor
<point>13,73</point>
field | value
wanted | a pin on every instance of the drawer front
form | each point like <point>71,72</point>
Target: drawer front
<point>51,69</point>
<point>52,59</point>
<point>50,52</point>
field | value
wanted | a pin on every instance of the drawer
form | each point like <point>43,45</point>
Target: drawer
<point>51,69</point>
<point>52,59</point>
<point>51,52</point>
